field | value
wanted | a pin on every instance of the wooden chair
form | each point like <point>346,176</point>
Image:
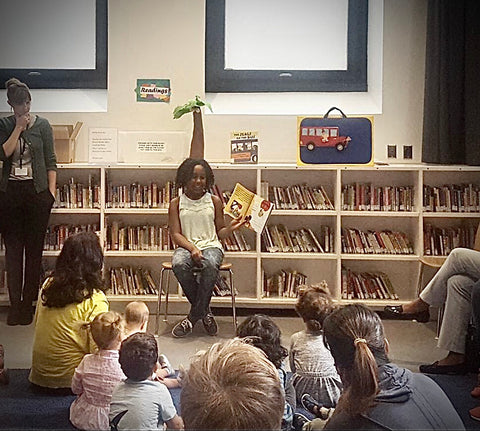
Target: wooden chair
<point>165,282</point>
<point>434,262</point>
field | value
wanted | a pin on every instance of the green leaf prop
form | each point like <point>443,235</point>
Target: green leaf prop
<point>190,106</point>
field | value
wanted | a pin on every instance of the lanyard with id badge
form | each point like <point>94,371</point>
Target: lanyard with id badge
<point>21,168</point>
<point>21,171</point>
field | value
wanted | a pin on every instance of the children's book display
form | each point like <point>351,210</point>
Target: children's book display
<point>246,205</point>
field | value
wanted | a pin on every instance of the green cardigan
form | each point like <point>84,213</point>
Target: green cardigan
<point>39,138</point>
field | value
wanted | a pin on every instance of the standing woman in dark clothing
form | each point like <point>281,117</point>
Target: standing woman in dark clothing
<point>27,189</point>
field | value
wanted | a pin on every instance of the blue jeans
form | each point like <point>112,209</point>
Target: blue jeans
<point>198,289</point>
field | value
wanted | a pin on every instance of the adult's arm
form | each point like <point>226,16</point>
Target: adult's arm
<point>50,157</point>
<point>176,423</point>
<point>197,146</point>
<point>8,147</point>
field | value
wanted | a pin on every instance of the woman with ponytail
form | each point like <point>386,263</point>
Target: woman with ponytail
<point>73,295</point>
<point>98,374</point>
<point>377,394</point>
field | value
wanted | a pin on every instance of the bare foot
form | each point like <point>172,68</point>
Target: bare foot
<point>416,306</point>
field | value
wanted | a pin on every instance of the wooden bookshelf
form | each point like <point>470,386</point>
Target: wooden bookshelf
<point>250,266</point>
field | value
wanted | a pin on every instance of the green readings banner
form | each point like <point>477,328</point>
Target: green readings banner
<point>153,90</point>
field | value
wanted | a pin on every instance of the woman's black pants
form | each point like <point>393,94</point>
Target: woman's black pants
<point>24,217</point>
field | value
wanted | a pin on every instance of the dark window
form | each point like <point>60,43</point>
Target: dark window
<point>220,80</point>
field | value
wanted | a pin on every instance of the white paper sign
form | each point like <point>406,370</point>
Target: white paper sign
<point>152,147</point>
<point>103,145</point>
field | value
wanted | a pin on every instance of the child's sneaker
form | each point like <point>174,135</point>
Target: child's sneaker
<point>182,328</point>
<point>299,421</point>
<point>310,404</point>
<point>209,324</point>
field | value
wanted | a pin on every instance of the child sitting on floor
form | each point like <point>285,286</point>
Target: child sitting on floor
<point>311,363</point>
<point>139,402</point>
<point>136,318</point>
<point>262,332</point>
<point>97,374</point>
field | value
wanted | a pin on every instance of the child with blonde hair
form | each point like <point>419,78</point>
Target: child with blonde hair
<point>97,374</point>
<point>136,320</point>
<point>314,374</point>
<point>136,317</point>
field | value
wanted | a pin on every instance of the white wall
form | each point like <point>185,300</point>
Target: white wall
<point>165,39</point>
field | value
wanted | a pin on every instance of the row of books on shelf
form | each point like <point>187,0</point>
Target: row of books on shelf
<point>131,281</point>
<point>139,281</point>
<point>136,195</point>
<point>366,285</point>
<point>375,242</point>
<point>299,197</point>
<point>367,197</point>
<point>284,283</point>
<point>441,241</point>
<point>452,198</point>
<point>74,195</point>
<point>56,235</point>
<point>138,237</point>
<point>236,242</point>
<point>278,238</point>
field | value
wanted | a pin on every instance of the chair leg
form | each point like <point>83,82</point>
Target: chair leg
<point>420,278</point>
<point>234,311</point>
<point>165,318</point>
<point>159,303</point>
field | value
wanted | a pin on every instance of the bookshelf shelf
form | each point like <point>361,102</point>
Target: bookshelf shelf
<point>76,211</point>
<point>134,211</point>
<point>253,267</point>
<point>297,213</point>
<point>379,213</point>
<point>449,215</point>
<point>380,257</point>
<point>298,255</point>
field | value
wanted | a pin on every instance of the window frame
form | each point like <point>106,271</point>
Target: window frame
<point>72,78</point>
<point>220,80</point>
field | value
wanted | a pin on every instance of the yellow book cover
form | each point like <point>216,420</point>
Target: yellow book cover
<point>250,207</point>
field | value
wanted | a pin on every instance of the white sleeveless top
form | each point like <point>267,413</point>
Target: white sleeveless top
<point>197,220</point>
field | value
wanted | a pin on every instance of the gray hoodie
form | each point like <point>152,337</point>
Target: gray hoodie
<point>406,401</point>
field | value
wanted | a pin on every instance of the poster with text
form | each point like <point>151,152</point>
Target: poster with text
<point>153,90</point>
<point>244,147</point>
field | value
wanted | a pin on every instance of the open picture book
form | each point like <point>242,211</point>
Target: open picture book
<point>248,206</point>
